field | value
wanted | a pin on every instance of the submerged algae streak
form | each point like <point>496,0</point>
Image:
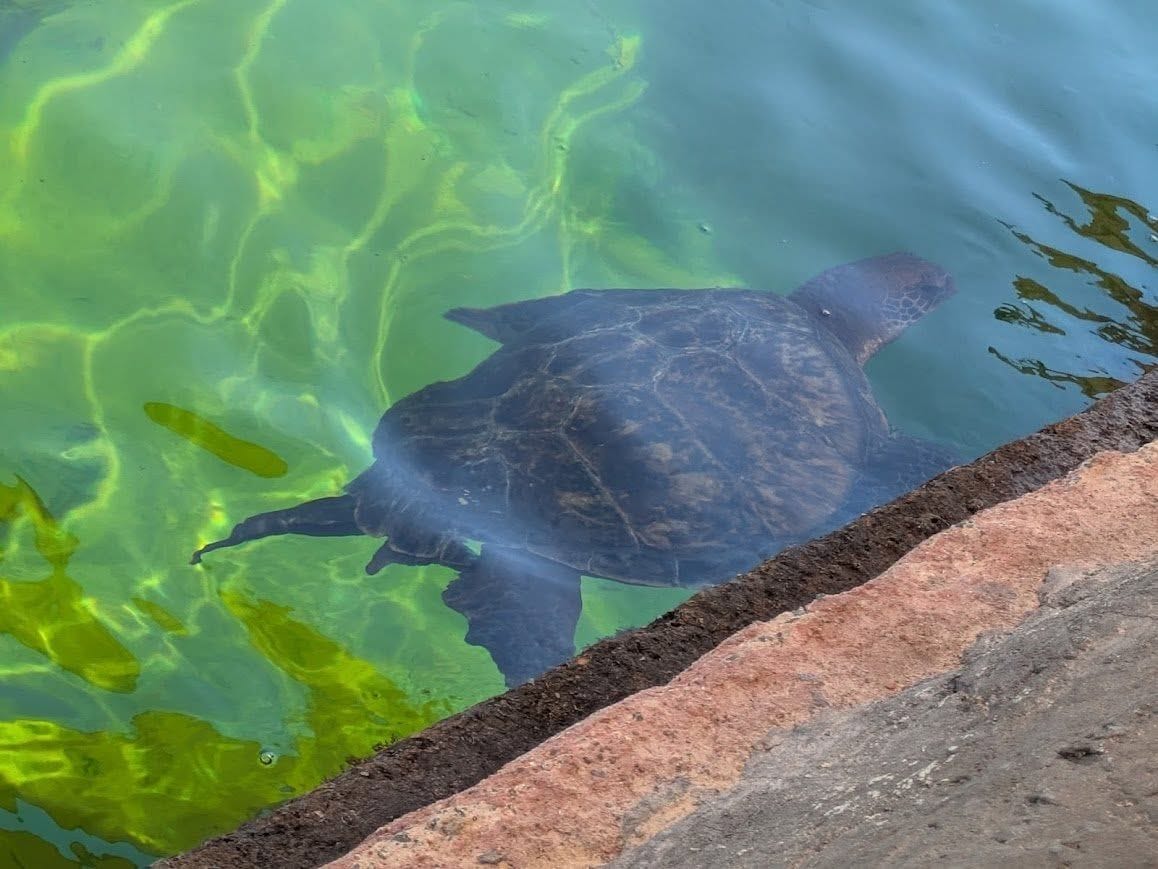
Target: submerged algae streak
<point>50,615</point>
<point>265,211</point>
<point>201,432</point>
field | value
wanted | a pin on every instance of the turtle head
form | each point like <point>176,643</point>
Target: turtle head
<point>868,303</point>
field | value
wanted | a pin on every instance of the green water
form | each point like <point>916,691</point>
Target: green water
<point>228,231</point>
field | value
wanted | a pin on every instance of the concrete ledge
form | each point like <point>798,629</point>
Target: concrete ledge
<point>462,750</point>
<point>1042,750</point>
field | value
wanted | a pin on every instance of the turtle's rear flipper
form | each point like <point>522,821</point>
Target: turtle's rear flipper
<point>900,463</point>
<point>325,517</point>
<point>520,608</point>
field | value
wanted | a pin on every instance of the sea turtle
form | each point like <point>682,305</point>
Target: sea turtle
<point>654,437</point>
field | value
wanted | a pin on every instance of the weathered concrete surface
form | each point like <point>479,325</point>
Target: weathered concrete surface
<point>465,748</point>
<point>1041,751</point>
<point>629,771</point>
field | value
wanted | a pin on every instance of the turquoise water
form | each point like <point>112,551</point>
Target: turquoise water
<point>228,231</point>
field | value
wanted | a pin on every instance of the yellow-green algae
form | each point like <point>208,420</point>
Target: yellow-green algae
<point>255,213</point>
<point>50,615</point>
<point>201,432</point>
<point>174,779</point>
<point>164,619</point>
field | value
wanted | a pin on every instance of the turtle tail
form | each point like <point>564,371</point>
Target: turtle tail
<point>325,517</point>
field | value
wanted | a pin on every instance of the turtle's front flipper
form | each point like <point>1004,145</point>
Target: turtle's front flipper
<point>898,464</point>
<point>520,608</point>
<point>325,517</point>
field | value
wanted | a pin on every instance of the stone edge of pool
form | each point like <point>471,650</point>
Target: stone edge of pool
<point>1038,749</point>
<point>462,751</point>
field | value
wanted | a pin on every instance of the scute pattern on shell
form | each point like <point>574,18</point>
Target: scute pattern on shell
<point>652,437</point>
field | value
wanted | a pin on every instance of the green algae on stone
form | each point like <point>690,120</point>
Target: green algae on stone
<point>53,615</point>
<point>163,618</point>
<point>21,500</point>
<point>352,705</point>
<point>188,780</point>
<point>201,432</point>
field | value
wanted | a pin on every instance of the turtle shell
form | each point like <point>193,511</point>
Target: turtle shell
<point>659,437</point>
